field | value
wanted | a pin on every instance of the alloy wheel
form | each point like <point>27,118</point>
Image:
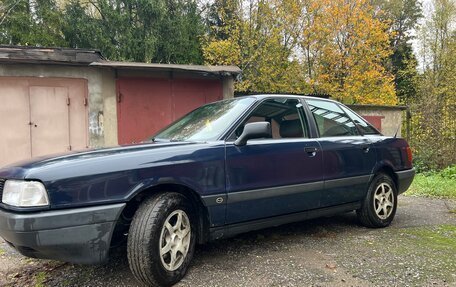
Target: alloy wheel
<point>175,240</point>
<point>383,200</point>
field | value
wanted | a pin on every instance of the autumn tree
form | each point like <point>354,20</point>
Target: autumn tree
<point>260,37</point>
<point>336,47</point>
<point>433,110</point>
<point>349,47</point>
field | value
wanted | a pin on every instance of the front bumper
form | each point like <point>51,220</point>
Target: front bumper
<point>79,235</point>
<point>404,179</point>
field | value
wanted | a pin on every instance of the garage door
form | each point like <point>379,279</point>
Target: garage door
<point>146,105</point>
<point>41,116</point>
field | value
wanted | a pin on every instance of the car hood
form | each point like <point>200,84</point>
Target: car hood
<point>25,169</point>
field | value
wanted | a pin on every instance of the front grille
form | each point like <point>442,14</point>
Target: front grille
<point>2,183</point>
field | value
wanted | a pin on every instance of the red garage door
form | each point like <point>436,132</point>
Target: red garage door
<point>376,121</point>
<point>146,105</point>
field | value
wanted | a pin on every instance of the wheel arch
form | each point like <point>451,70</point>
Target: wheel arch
<point>201,212</point>
<point>387,169</point>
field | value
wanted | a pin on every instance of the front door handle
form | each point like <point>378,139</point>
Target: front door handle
<point>366,149</point>
<point>311,151</point>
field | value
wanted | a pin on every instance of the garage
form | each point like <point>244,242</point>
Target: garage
<point>41,116</point>
<point>54,100</point>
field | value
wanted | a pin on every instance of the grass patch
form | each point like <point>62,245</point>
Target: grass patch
<point>433,185</point>
<point>40,279</point>
<point>442,237</point>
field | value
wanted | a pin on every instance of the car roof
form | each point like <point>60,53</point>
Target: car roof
<point>263,96</point>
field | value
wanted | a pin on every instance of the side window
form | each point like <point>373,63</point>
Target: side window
<point>284,115</point>
<point>331,120</point>
<point>362,124</point>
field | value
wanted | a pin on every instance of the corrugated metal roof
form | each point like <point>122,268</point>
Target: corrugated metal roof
<point>220,70</point>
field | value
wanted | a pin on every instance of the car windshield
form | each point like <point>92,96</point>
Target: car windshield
<point>207,122</point>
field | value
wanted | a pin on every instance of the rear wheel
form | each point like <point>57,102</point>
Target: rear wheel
<point>379,206</point>
<point>161,240</point>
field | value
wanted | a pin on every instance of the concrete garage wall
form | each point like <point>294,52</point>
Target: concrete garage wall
<point>228,87</point>
<point>102,116</point>
<point>393,116</point>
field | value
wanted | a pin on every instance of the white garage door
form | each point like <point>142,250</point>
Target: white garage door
<point>40,116</point>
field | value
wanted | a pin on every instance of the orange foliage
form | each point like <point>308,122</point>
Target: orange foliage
<point>337,47</point>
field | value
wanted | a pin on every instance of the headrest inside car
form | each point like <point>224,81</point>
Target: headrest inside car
<point>291,129</point>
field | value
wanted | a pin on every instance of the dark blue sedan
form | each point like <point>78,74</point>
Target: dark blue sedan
<point>228,167</point>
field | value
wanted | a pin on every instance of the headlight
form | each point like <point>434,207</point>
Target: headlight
<point>24,193</point>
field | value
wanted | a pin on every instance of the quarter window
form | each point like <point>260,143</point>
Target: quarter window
<point>331,119</point>
<point>365,127</point>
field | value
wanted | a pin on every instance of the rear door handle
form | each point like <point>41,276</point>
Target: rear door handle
<point>311,151</point>
<point>366,149</point>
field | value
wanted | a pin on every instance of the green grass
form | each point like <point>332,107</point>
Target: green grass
<point>40,279</point>
<point>433,185</point>
<point>442,237</point>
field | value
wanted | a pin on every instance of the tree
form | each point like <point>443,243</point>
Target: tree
<point>184,23</point>
<point>404,67</point>
<point>259,37</point>
<point>348,47</point>
<point>137,30</point>
<point>336,47</point>
<point>402,16</point>
<point>30,22</point>
<point>433,110</point>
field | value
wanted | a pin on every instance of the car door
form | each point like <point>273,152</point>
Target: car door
<point>348,157</point>
<point>278,175</point>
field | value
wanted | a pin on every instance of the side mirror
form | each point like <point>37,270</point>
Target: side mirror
<point>254,131</point>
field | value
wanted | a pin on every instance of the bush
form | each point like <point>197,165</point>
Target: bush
<point>449,172</point>
<point>435,184</point>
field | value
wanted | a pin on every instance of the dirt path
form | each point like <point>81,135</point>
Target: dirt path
<point>418,249</point>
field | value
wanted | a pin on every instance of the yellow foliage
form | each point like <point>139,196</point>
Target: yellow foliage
<point>260,42</point>
<point>349,46</point>
<point>325,46</point>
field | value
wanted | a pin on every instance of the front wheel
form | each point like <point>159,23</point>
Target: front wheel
<point>161,240</point>
<point>379,206</point>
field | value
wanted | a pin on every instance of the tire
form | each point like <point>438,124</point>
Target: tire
<point>155,229</point>
<point>379,206</point>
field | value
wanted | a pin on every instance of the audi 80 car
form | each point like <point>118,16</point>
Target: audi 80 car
<point>225,168</point>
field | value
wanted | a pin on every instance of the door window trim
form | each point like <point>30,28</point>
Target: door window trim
<point>301,112</point>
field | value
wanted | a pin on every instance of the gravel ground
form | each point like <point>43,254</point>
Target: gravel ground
<point>418,249</point>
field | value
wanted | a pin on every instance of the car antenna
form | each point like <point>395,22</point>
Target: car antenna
<point>397,130</point>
